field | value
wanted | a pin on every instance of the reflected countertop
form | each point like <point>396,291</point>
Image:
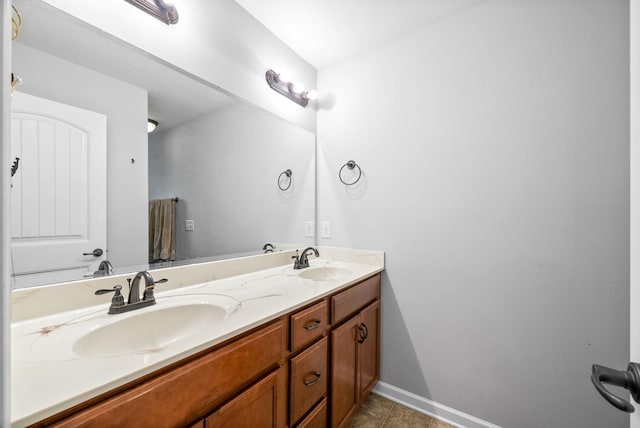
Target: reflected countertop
<point>49,375</point>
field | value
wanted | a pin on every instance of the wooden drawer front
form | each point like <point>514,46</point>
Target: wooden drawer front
<point>355,298</point>
<point>317,418</point>
<point>308,381</point>
<point>309,324</point>
<point>182,395</point>
<point>257,407</point>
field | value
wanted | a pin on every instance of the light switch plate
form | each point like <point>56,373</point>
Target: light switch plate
<point>326,229</point>
<point>309,229</point>
<point>189,225</point>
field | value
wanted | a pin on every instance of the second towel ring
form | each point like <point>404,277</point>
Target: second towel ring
<point>350,165</point>
<point>287,174</point>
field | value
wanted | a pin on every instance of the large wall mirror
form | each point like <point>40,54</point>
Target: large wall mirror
<point>223,160</point>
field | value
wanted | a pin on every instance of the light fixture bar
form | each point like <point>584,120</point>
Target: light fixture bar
<point>286,88</point>
<point>165,12</point>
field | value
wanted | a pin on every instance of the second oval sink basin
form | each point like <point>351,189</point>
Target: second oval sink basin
<point>324,273</point>
<point>148,331</point>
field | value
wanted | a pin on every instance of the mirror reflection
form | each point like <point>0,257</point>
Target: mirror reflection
<point>218,157</point>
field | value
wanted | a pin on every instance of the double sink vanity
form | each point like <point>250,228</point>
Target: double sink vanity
<point>241,342</point>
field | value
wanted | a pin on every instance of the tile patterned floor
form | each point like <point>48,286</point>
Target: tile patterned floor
<point>379,412</point>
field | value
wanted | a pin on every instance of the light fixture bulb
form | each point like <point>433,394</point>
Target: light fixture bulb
<point>151,125</point>
<point>297,87</point>
<point>312,95</point>
<point>284,76</point>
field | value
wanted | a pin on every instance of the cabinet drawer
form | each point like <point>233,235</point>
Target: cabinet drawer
<point>317,418</point>
<point>355,298</point>
<point>308,381</point>
<point>309,324</point>
<point>189,391</point>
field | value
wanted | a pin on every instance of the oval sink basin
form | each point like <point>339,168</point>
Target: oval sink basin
<point>324,273</point>
<point>148,331</point>
<point>174,319</point>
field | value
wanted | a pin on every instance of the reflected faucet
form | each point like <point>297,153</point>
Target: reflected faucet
<point>302,261</point>
<point>105,268</point>
<point>268,247</point>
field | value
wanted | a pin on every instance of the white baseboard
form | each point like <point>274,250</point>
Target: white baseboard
<point>424,405</point>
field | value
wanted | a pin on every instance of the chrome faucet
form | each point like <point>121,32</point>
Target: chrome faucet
<point>134,286</point>
<point>118,306</point>
<point>302,261</point>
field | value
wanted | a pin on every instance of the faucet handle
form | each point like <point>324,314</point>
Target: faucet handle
<point>117,300</point>
<point>148,290</point>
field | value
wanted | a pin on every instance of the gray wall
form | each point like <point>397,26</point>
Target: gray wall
<point>495,145</point>
<point>126,109</point>
<point>224,168</point>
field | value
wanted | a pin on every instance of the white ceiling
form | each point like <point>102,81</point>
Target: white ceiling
<point>326,31</point>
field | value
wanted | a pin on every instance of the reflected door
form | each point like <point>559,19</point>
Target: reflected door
<point>58,193</point>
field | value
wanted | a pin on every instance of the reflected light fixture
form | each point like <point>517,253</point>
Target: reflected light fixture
<point>294,91</point>
<point>165,12</point>
<point>151,125</point>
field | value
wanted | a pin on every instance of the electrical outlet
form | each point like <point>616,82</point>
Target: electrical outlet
<point>189,225</point>
<point>326,229</point>
<point>309,231</point>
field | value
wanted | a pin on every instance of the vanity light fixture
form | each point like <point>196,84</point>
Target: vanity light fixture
<point>294,91</point>
<point>165,12</point>
<point>151,125</point>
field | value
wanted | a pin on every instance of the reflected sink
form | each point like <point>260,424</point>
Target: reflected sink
<point>324,273</point>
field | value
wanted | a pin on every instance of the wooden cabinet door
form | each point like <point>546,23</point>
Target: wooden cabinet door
<point>257,407</point>
<point>345,386</point>
<point>369,348</point>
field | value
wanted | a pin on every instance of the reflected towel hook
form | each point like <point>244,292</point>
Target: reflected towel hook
<point>288,175</point>
<point>350,165</point>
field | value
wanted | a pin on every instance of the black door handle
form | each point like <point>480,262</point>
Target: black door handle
<point>629,380</point>
<point>96,253</point>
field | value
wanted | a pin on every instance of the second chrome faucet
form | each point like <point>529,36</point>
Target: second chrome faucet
<point>118,305</point>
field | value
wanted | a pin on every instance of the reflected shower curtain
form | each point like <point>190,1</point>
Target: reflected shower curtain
<point>162,230</point>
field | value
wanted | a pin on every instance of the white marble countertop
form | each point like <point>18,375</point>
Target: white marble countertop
<point>49,374</point>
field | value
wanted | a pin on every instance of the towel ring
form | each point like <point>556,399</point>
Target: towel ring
<point>350,165</point>
<point>287,174</point>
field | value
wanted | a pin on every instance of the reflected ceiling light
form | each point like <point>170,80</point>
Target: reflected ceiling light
<point>151,125</point>
<point>295,92</point>
<point>165,12</point>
